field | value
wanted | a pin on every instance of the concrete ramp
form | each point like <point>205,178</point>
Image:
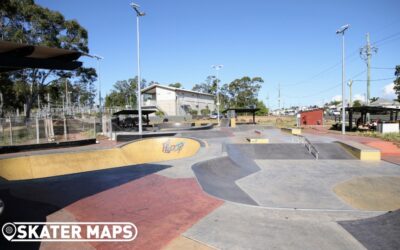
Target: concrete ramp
<point>137,152</point>
<point>333,151</point>
<point>286,151</point>
<point>290,151</point>
<point>218,176</point>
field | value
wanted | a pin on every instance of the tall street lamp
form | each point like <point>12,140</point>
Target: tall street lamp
<point>350,84</point>
<point>98,58</point>
<point>139,104</point>
<point>341,31</point>
<point>217,68</point>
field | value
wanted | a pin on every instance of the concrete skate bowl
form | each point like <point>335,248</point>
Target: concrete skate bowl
<point>207,134</point>
<point>134,153</point>
<point>255,174</point>
<point>178,126</point>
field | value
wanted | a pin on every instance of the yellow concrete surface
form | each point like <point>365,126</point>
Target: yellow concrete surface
<point>293,131</point>
<point>258,140</point>
<point>142,151</point>
<point>380,193</point>
<point>361,151</point>
<point>233,123</point>
<point>183,243</point>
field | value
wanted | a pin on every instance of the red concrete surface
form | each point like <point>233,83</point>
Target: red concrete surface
<point>160,207</point>
<point>389,151</point>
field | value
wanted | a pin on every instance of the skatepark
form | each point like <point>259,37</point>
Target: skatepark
<point>214,189</point>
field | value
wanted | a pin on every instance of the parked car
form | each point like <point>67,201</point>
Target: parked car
<point>215,116</point>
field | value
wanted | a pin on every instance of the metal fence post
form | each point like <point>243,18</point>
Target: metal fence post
<point>37,130</point>
<point>94,123</point>
<point>65,128</point>
<point>11,134</point>
<point>110,128</point>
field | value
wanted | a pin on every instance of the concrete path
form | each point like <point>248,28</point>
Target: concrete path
<point>234,226</point>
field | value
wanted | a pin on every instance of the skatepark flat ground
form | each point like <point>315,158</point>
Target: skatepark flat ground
<point>229,195</point>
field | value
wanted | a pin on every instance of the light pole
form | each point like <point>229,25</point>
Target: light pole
<point>341,31</point>
<point>138,99</point>
<point>350,84</point>
<point>98,58</point>
<point>217,68</point>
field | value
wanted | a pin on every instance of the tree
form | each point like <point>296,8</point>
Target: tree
<point>263,109</point>
<point>357,103</point>
<point>243,92</point>
<point>374,99</point>
<point>397,82</point>
<point>177,85</point>
<point>124,93</point>
<point>335,103</point>
<point>207,87</point>
<point>23,21</point>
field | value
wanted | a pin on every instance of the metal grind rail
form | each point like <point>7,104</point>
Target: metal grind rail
<point>312,150</point>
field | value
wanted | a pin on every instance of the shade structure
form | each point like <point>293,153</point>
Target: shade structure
<point>17,56</point>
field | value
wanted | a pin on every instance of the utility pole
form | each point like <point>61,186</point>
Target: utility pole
<point>366,53</point>
<point>350,84</point>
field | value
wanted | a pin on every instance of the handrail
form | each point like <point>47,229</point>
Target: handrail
<point>310,147</point>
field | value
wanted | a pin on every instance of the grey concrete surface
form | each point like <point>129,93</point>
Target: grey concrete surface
<point>333,151</point>
<point>217,177</point>
<point>381,232</point>
<point>307,184</point>
<point>271,151</point>
<point>207,134</point>
<point>234,226</point>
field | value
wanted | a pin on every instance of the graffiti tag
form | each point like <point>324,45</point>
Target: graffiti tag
<point>168,147</point>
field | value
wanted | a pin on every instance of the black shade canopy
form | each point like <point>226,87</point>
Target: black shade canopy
<point>16,56</point>
<point>371,109</point>
<point>242,110</point>
<point>135,112</point>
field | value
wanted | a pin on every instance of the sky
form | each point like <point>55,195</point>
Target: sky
<point>289,43</point>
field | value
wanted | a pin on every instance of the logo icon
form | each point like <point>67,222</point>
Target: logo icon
<point>9,230</point>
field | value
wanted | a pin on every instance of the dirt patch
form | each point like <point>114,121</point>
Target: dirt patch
<point>371,193</point>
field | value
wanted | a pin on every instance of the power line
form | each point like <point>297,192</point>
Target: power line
<point>376,80</point>
<point>386,38</point>
<point>325,90</point>
<point>383,68</point>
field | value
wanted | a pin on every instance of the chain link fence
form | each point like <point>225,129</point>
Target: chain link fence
<point>23,131</point>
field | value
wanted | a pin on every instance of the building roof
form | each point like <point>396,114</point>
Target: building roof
<point>16,56</point>
<point>311,110</point>
<point>173,89</point>
<point>371,109</point>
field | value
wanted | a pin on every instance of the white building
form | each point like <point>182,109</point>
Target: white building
<point>176,102</point>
